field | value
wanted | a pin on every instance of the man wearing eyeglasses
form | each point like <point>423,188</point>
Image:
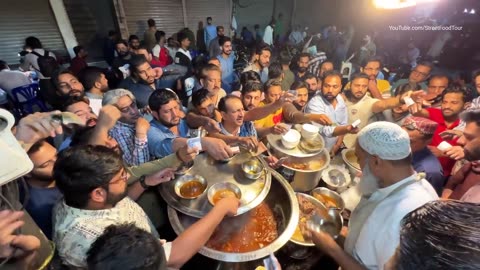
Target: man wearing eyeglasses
<point>418,76</point>
<point>130,131</point>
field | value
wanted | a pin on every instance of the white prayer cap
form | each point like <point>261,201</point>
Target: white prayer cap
<point>386,140</point>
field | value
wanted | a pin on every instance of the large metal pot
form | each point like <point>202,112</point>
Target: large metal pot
<point>282,200</point>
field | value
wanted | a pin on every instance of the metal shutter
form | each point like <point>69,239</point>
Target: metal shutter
<point>199,10</point>
<point>91,20</point>
<point>168,15</point>
<point>250,12</point>
<point>22,18</point>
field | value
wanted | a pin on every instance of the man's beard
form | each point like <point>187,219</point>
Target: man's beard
<point>43,178</point>
<point>302,69</point>
<point>168,124</point>
<point>113,199</point>
<point>368,182</point>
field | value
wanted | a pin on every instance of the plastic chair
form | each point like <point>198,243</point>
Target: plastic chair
<point>30,96</point>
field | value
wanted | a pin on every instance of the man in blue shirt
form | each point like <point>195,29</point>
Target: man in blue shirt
<point>210,32</point>
<point>226,58</point>
<point>169,131</point>
<point>41,188</point>
<point>421,131</point>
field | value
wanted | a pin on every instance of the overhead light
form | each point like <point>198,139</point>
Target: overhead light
<point>472,11</point>
<point>465,11</point>
<point>394,4</point>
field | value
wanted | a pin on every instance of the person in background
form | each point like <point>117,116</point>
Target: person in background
<point>296,36</point>
<point>31,59</point>
<point>172,46</point>
<point>325,66</point>
<point>302,66</point>
<point>183,56</point>
<point>435,229</point>
<point>278,30</point>
<point>390,188</point>
<point>418,76</point>
<point>130,131</point>
<point>268,33</point>
<point>214,46</point>
<point>227,58</point>
<point>436,85</point>
<point>368,49</point>
<point>79,61</point>
<point>133,43</point>
<point>203,106</point>
<point>10,79</point>
<point>261,62</point>
<point>191,36</point>
<point>96,84</point>
<point>421,130</point>
<point>160,53</point>
<point>288,76</point>
<point>142,80</point>
<point>149,35</point>
<point>258,34</point>
<point>66,85</point>
<point>210,33</point>
<point>372,68</point>
<point>109,47</point>
<point>202,48</point>
<point>109,252</point>
<point>271,123</point>
<point>40,186</point>
<point>247,37</point>
<point>312,84</point>
<point>123,52</point>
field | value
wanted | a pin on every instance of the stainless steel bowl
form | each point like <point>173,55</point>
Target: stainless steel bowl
<point>332,194</point>
<point>184,168</point>
<point>188,178</point>
<point>285,211</point>
<point>253,169</point>
<point>222,186</point>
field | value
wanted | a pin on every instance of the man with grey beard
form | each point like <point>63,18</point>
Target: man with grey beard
<point>390,188</point>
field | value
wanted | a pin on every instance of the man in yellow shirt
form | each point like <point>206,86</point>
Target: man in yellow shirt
<point>376,87</point>
<point>270,124</point>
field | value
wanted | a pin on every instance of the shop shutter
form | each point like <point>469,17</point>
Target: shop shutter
<point>199,10</point>
<point>91,20</point>
<point>168,15</point>
<point>22,18</point>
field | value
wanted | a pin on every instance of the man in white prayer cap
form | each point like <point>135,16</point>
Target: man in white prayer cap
<point>390,190</point>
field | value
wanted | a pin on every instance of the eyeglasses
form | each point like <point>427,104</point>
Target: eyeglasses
<point>420,73</point>
<point>132,106</point>
<point>123,177</point>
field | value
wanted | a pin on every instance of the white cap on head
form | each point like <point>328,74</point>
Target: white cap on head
<point>386,140</point>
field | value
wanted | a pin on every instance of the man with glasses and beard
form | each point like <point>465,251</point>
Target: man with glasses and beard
<point>142,81</point>
<point>390,188</point>
<point>130,131</point>
<point>418,76</point>
<point>93,182</point>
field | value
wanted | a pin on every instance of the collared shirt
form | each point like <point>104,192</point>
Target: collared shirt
<point>437,116</point>
<point>160,138</point>
<point>380,234</point>
<point>361,110</point>
<point>141,91</point>
<point>268,35</point>
<point>339,115</point>
<point>76,229</point>
<point>228,74</point>
<point>135,150</point>
<point>425,161</point>
<point>210,34</point>
<point>247,129</point>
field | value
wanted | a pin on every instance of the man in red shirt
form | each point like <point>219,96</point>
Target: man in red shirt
<point>454,100</point>
<point>79,62</point>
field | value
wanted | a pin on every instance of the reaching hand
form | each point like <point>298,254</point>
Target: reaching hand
<point>108,116</point>
<point>217,148</point>
<point>229,205</point>
<point>451,134</point>
<point>141,127</point>
<point>322,119</point>
<point>11,244</point>
<point>251,143</point>
<point>279,129</point>
<point>455,152</point>
<point>322,240</point>
<point>160,177</point>
<point>37,126</point>
<point>186,154</point>
<point>211,126</point>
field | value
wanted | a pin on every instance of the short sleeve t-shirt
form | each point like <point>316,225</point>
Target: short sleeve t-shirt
<point>362,110</point>
<point>271,120</point>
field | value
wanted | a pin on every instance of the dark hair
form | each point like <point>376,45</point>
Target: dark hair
<point>135,61</point>
<point>298,84</point>
<point>427,64</point>
<point>256,26</point>
<point>440,76</point>
<point>223,40</point>
<point>222,103</point>
<point>262,47</point>
<point>181,36</point>
<point>59,72</point>
<point>251,86</point>
<point>249,76</point>
<point>358,75</point>
<point>440,235</point>
<point>109,251</point>
<point>275,71</point>
<point>3,65</point>
<point>472,115</point>
<point>199,97</point>
<point>304,55</point>
<point>132,37</point>
<point>270,83</point>
<point>375,58</point>
<point>82,136</point>
<point>403,88</point>
<point>331,73</point>
<point>160,97</point>
<point>309,76</point>
<point>121,41</point>
<point>33,43</point>
<point>70,100</point>
<point>324,62</point>
<point>220,27</point>
<point>151,22</point>
<point>457,89</point>
<point>89,76</point>
<point>159,35</point>
<point>77,49</point>
<point>79,170</point>
<point>209,18</point>
<point>475,74</point>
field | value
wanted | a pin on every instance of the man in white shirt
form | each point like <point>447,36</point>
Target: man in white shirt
<point>390,188</point>
<point>34,46</point>
<point>268,33</point>
<point>93,181</point>
<point>10,79</point>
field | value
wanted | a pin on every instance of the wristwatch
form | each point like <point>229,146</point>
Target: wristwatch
<point>142,182</point>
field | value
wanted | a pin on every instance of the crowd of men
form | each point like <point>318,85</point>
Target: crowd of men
<point>89,189</point>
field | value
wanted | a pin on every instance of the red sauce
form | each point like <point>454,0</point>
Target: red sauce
<point>251,231</point>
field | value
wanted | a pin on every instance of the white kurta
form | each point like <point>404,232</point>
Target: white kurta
<point>380,234</point>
